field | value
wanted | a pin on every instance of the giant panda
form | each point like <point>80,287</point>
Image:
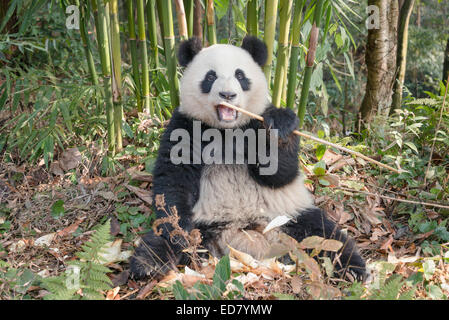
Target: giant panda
<point>231,203</point>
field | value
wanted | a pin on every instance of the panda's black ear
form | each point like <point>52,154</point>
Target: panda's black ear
<point>188,50</point>
<point>256,48</point>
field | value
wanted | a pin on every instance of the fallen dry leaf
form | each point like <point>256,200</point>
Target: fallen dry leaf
<point>319,244</point>
<point>309,263</point>
<point>190,280</point>
<point>108,195</point>
<point>387,244</point>
<point>115,226</point>
<point>45,241</point>
<point>405,259</point>
<point>144,195</point>
<point>70,229</point>
<point>111,252</point>
<point>70,159</point>
<point>56,169</point>
<point>243,257</point>
<point>18,246</point>
<point>376,234</point>
<point>142,176</point>
<point>112,294</point>
<point>330,157</point>
<point>146,290</point>
<point>169,279</point>
<point>121,278</point>
<point>333,179</point>
<point>296,284</point>
<point>372,212</point>
<point>341,163</point>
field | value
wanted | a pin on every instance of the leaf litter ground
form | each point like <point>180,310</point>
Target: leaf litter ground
<point>46,215</point>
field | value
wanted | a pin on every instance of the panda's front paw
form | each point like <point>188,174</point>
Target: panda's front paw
<point>282,119</point>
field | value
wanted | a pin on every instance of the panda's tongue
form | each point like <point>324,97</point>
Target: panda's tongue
<point>226,114</point>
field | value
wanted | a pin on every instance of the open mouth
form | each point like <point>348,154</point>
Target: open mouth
<point>226,114</point>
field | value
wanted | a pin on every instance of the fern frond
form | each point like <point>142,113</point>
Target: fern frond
<point>92,275</point>
<point>425,102</point>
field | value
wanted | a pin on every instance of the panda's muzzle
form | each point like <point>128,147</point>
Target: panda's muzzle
<point>226,114</point>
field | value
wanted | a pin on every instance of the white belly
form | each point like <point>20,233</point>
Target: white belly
<point>229,194</point>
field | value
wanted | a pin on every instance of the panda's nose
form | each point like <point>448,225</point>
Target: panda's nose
<point>227,95</point>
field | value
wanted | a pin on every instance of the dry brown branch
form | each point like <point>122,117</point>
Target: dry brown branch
<point>307,136</point>
<point>430,204</point>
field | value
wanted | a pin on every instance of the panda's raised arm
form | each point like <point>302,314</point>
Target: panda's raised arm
<point>285,121</point>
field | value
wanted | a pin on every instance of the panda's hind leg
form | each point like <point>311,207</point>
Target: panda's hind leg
<point>155,256</point>
<point>314,222</point>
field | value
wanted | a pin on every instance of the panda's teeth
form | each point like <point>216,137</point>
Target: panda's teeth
<point>226,114</point>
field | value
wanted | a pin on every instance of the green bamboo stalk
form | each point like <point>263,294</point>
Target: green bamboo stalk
<point>188,6</point>
<point>169,48</point>
<point>117,74</point>
<point>152,31</point>
<point>182,22</point>
<point>143,57</point>
<point>294,56</point>
<point>285,14</point>
<point>115,43</point>
<point>103,46</point>
<point>87,47</point>
<point>252,17</point>
<point>210,18</point>
<point>271,7</point>
<point>134,58</point>
<point>287,59</point>
<point>310,60</point>
<point>97,27</point>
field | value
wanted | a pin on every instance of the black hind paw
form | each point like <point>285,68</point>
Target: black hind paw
<point>353,268</point>
<point>141,267</point>
<point>153,258</point>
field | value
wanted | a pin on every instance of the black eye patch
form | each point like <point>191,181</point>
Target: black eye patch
<point>208,81</point>
<point>245,83</point>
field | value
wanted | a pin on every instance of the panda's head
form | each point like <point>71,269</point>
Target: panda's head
<point>220,73</point>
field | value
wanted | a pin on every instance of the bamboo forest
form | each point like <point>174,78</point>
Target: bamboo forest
<point>91,89</point>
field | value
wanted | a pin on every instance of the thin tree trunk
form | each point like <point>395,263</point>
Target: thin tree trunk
<point>401,59</point>
<point>380,60</point>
